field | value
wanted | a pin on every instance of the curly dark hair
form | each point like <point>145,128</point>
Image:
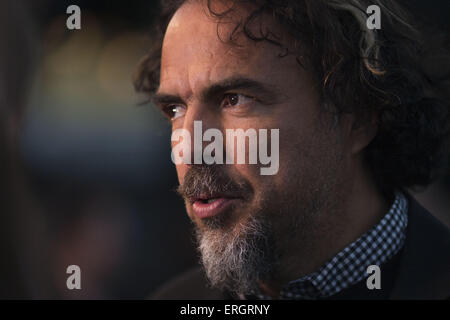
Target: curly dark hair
<point>360,71</point>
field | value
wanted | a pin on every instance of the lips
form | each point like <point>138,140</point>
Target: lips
<point>210,206</point>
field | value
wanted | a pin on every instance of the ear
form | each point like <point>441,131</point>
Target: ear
<point>362,133</point>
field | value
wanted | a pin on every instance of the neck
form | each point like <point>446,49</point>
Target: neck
<point>358,210</point>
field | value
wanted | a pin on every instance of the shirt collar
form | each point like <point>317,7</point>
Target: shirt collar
<point>349,266</point>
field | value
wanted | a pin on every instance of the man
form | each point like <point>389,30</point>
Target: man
<point>359,123</point>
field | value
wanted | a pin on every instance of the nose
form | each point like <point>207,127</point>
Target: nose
<point>197,121</point>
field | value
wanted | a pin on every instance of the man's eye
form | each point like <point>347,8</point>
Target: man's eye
<point>174,111</point>
<point>236,100</point>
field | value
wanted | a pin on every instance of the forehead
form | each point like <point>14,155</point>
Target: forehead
<point>196,52</point>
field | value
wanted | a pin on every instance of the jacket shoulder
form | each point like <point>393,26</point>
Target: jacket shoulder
<point>190,285</point>
<point>425,269</point>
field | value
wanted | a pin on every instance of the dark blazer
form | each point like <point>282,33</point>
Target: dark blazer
<point>423,268</point>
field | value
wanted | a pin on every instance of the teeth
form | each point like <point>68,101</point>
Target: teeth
<point>210,200</point>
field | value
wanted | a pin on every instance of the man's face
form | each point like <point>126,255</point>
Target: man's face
<point>249,86</point>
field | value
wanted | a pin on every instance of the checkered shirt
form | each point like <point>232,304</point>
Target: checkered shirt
<point>349,266</point>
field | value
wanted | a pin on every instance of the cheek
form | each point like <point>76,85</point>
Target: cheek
<point>246,172</point>
<point>301,154</point>
<point>181,171</point>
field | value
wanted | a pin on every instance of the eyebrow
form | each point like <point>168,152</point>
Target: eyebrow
<point>267,91</point>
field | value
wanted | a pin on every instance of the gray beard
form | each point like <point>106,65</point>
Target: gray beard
<point>236,262</point>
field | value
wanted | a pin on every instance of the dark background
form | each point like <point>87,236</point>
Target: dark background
<point>99,165</point>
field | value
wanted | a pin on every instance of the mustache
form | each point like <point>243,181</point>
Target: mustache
<point>210,181</point>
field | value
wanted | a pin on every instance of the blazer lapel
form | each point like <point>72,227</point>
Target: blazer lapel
<point>424,270</point>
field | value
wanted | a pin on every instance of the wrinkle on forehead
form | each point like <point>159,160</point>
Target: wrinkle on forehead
<point>194,55</point>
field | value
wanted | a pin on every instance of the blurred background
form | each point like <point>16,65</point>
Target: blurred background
<point>96,165</point>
